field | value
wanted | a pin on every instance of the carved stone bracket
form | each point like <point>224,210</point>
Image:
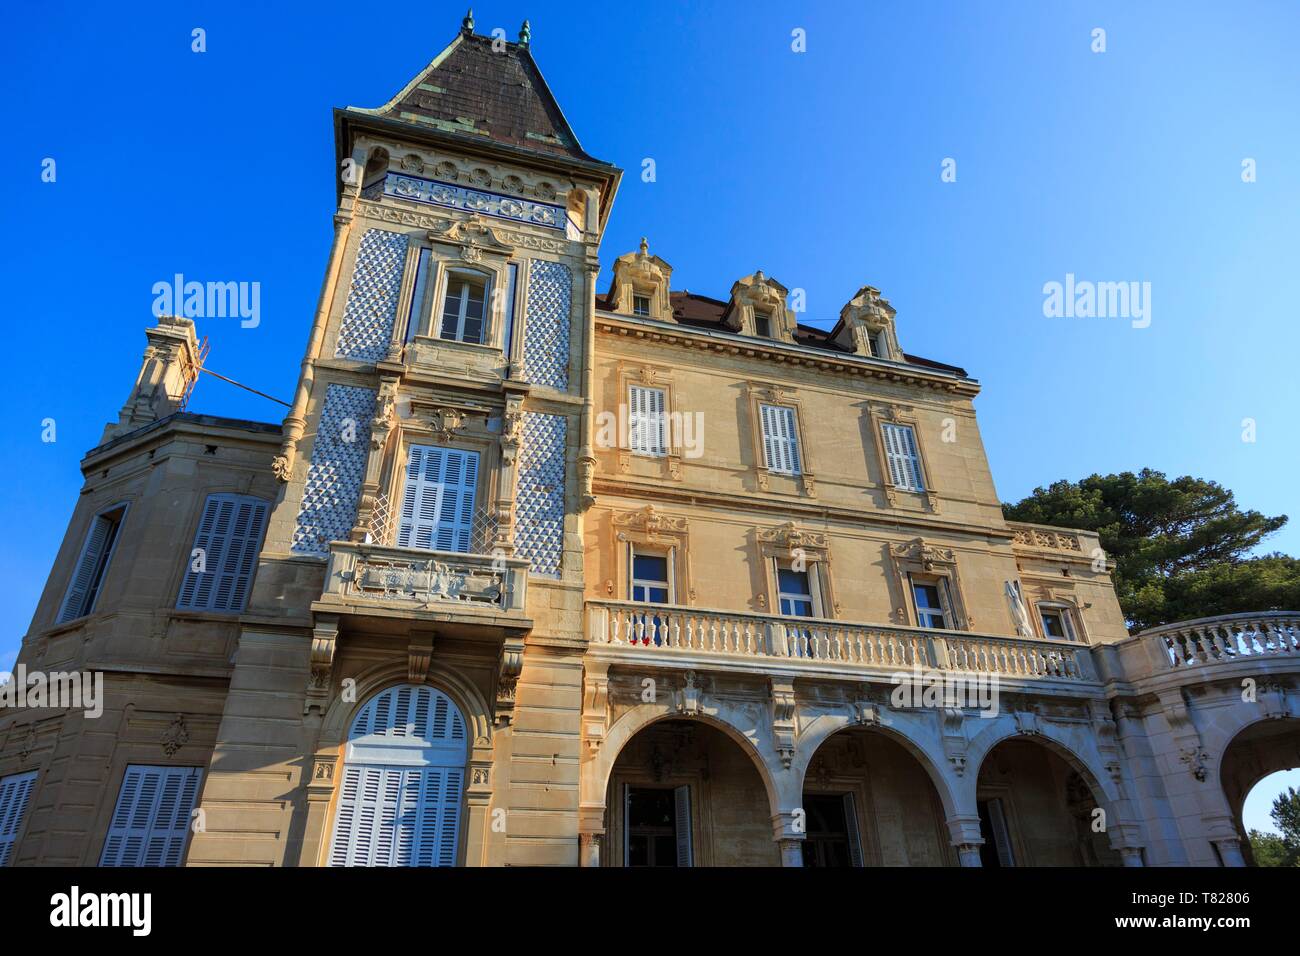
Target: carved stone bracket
<point>595,706</point>
<point>952,724</point>
<point>508,671</point>
<point>784,707</point>
<point>176,736</point>
<point>1191,747</point>
<point>324,642</point>
<point>687,698</point>
<point>419,654</point>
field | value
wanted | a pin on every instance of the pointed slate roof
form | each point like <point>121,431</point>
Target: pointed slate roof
<point>500,94</point>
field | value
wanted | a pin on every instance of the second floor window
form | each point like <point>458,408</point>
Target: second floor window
<point>646,431</point>
<point>780,439</point>
<point>224,555</point>
<point>463,305</point>
<point>795,593</point>
<point>92,564</point>
<point>1056,623</point>
<point>438,499</point>
<point>650,578</point>
<point>929,605</point>
<point>903,458</point>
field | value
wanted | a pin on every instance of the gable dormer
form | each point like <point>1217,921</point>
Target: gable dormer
<point>866,326</point>
<point>641,285</point>
<point>758,308</point>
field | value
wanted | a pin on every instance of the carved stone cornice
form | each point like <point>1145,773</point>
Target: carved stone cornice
<point>789,536</point>
<point>650,521</point>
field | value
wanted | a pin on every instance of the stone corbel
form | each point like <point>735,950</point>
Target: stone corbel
<point>784,707</point>
<point>952,725</point>
<point>508,671</point>
<point>865,713</point>
<point>1187,737</point>
<point>595,706</point>
<point>1027,723</point>
<point>324,642</point>
<point>419,654</point>
<point>687,698</point>
<point>1274,702</point>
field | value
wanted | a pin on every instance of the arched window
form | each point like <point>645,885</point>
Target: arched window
<point>403,782</point>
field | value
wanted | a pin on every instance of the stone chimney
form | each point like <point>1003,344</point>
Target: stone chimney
<point>168,370</point>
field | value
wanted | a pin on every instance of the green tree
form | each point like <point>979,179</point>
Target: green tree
<point>1179,546</point>
<point>1270,849</point>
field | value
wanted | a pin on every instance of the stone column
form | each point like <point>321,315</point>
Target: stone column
<point>964,834</point>
<point>788,832</point>
<point>589,845</point>
<point>1230,851</point>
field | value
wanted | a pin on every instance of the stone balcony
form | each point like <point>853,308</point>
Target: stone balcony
<point>1212,648</point>
<point>692,638</point>
<point>458,591</point>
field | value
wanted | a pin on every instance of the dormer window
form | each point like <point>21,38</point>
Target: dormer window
<point>640,304</point>
<point>463,302</point>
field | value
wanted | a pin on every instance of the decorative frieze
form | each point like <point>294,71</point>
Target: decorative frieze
<point>484,202</point>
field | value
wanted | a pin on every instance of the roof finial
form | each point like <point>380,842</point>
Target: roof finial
<point>467,25</point>
<point>645,247</point>
<point>758,276</point>
<point>525,34</point>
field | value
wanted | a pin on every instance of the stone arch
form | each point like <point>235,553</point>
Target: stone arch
<point>1258,748</point>
<point>597,770</point>
<point>825,726</point>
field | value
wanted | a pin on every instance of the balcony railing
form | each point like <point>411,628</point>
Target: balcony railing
<point>392,578</point>
<point>670,630</point>
<point>1230,637</point>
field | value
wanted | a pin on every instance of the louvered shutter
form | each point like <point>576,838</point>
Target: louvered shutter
<point>780,439</point>
<point>438,501</point>
<point>682,819</point>
<point>851,831</point>
<point>15,794</point>
<point>646,426</point>
<point>230,536</point>
<point>405,812</point>
<point>1001,836</point>
<point>150,823</point>
<point>98,540</point>
<point>903,458</point>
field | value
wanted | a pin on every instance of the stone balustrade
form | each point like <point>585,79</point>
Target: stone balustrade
<point>670,630</point>
<point>1227,638</point>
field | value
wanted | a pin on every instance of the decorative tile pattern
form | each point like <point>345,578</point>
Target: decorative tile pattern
<point>372,300</point>
<point>474,200</point>
<point>546,329</point>
<point>338,463</point>
<point>539,492</point>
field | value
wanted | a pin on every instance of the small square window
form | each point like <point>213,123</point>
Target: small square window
<point>641,305</point>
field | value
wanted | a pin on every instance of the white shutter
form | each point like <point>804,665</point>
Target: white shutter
<point>851,831</point>
<point>230,536</point>
<point>151,821</point>
<point>15,793</point>
<point>682,818</point>
<point>903,457</point>
<point>438,501</point>
<point>646,422</point>
<point>780,439</point>
<point>400,798</point>
<point>99,540</point>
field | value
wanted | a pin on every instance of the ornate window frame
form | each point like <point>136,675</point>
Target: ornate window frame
<point>1042,594</point>
<point>881,414</point>
<point>782,396</point>
<point>788,543</point>
<point>648,529</point>
<point>649,376</point>
<point>924,563</point>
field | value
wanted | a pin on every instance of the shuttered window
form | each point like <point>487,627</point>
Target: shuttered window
<point>15,794</point>
<point>92,564</point>
<point>647,432</point>
<point>403,782</point>
<point>224,555</point>
<point>151,821</point>
<point>780,439</point>
<point>438,499</point>
<point>903,458</point>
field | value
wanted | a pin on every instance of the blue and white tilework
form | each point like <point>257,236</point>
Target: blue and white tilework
<point>338,464</point>
<point>546,329</point>
<point>371,308</point>
<point>539,492</point>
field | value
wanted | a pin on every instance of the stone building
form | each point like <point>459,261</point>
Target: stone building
<point>541,572</point>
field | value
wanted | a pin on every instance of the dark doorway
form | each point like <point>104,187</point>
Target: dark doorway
<point>832,836</point>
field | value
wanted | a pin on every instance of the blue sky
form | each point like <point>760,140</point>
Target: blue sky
<point>822,168</point>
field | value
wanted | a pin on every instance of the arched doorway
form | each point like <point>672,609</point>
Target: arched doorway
<point>1258,751</point>
<point>403,783</point>
<point>683,793</point>
<point>1037,809</point>
<point>868,801</point>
